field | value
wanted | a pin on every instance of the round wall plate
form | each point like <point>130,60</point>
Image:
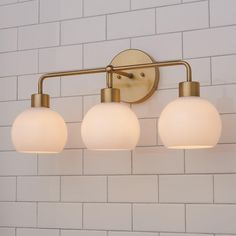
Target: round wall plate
<point>144,81</point>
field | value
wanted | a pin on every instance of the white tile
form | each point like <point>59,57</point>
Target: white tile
<point>105,51</point>
<point>158,217</point>
<point>8,40</point>
<point>5,137</point>
<point>107,163</point>
<point>211,218</point>
<point>55,10</point>
<point>83,85</point>
<point>7,231</point>
<point>105,6</point>
<point>186,189</point>
<point>12,110</point>
<point>222,72</point>
<point>14,163</point>
<point>39,36</point>
<point>220,159</point>
<point>60,58</point>
<point>7,94</point>
<point>133,189</point>
<point>131,234</point>
<point>148,133</point>
<point>222,12</point>
<point>84,189</point>
<point>83,30</point>
<point>158,46</point>
<point>69,108</point>
<point>17,63</point>
<point>157,160</point>
<point>224,188</point>
<point>90,101</point>
<point>19,14</point>
<point>209,42</point>
<point>74,139</point>
<point>17,214</point>
<point>82,233</point>
<point>184,234</point>
<point>228,126</point>
<point>5,2</point>
<point>8,189</point>
<point>68,162</point>
<point>60,215</point>
<point>182,17</point>
<point>139,4</point>
<point>107,216</point>
<point>137,23</point>
<point>37,232</point>
<point>28,84</point>
<point>38,188</point>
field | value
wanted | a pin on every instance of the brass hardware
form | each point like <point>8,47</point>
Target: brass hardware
<point>40,100</point>
<point>187,89</point>
<point>110,95</point>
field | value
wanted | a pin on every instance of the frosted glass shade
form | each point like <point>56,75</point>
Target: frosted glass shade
<point>110,126</point>
<point>188,123</point>
<point>39,130</point>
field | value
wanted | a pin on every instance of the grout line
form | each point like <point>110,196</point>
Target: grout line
<point>82,218</point>
<point>132,217</point>
<point>185,218</point>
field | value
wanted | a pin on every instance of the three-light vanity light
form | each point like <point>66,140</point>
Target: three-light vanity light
<point>132,77</point>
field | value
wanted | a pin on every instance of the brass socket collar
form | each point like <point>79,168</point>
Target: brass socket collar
<point>110,95</point>
<point>187,89</point>
<point>40,100</point>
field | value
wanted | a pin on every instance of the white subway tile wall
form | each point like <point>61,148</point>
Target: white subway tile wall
<point>151,191</point>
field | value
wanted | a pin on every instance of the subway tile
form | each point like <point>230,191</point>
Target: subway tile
<point>224,188</point>
<point>82,233</point>
<point>83,30</point>
<point>158,46</point>
<point>131,234</point>
<point>157,160</point>
<point>7,94</point>
<point>28,84</point>
<point>228,126</point>
<point>89,102</point>
<point>55,10</point>
<point>39,36</point>
<point>222,72</point>
<point>38,188</point>
<point>139,4</point>
<point>222,13</point>
<point>148,133</point>
<point>220,159</point>
<point>37,232</point>
<point>217,41</point>
<point>18,63</point>
<point>83,85</point>
<point>186,189</point>
<point>105,51</point>
<point>8,40</point>
<point>6,2</point>
<point>211,218</point>
<point>14,163</point>
<point>107,163</point>
<point>69,108</point>
<point>74,139</point>
<point>5,137</point>
<point>68,162</point>
<point>105,6</point>
<point>60,215</point>
<point>60,58</point>
<point>182,17</point>
<point>16,214</point>
<point>158,217</point>
<point>133,189</point>
<point>184,234</point>
<point>19,14</point>
<point>8,189</point>
<point>84,189</point>
<point>137,23</point>
<point>7,231</point>
<point>107,216</point>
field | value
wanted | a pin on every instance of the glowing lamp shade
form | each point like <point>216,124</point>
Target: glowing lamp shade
<point>110,126</point>
<point>39,130</point>
<point>188,123</point>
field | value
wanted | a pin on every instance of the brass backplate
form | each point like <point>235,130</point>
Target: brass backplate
<point>144,81</point>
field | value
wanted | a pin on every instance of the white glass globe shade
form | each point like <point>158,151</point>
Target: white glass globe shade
<point>110,126</point>
<point>188,123</point>
<point>39,130</point>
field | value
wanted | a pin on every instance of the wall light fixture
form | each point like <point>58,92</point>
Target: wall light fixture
<point>132,77</point>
